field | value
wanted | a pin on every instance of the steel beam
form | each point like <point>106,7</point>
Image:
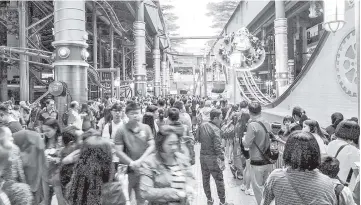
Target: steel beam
<point>24,52</point>
<point>36,31</point>
<point>40,21</point>
<point>194,37</point>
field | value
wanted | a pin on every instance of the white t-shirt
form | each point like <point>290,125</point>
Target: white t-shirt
<point>106,134</point>
<point>115,127</point>
<point>75,120</point>
<point>347,157</point>
<point>321,144</point>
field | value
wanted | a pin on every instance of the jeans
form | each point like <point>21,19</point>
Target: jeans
<point>209,166</point>
<point>259,175</point>
<point>134,178</point>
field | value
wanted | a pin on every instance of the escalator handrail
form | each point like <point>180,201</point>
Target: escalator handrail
<point>242,92</point>
<point>254,82</point>
<point>259,98</point>
<point>303,73</point>
<point>249,89</point>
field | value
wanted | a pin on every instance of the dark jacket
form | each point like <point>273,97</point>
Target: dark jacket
<point>209,135</point>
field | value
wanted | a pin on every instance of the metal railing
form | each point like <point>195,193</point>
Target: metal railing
<point>280,145</point>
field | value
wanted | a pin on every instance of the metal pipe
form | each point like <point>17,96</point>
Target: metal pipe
<point>357,19</point>
<point>23,52</point>
<point>33,62</point>
<point>23,64</point>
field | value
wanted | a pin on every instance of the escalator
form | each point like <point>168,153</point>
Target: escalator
<point>249,89</point>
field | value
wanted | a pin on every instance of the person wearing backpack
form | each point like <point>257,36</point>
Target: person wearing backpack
<point>330,166</point>
<point>258,141</point>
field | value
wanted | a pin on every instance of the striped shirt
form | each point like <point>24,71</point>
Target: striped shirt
<point>178,179</point>
<point>314,188</point>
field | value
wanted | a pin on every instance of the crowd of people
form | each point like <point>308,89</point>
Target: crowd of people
<point>141,151</point>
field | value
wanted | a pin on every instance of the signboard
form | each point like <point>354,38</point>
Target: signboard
<point>56,88</point>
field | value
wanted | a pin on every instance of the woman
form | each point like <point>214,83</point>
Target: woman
<point>166,178</point>
<point>313,127</point>
<point>53,145</point>
<point>160,121</point>
<point>152,109</point>
<point>32,148</point>
<point>344,149</point>
<point>148,119</point>
<point>241,129</point>
<point>300,183</point>
<point>285,131</point>
<point>88,118</point>
<point>336,118</point>
<point>92,173</point>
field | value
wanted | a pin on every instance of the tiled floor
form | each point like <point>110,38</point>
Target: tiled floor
<point>233,192</point>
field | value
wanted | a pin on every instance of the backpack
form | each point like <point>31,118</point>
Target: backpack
<point>271,154</point>
<point>65,118</point>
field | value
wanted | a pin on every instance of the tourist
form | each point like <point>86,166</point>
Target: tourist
<point>134,142</point>
<point>212,155</point>
<point>344,150</point>
<point>257,139</point>
<point>336,118</point>
<point>313,127</point>
<point>8,120</point>
<point>300,182</point>
<point>330,167</point>
<point>174,182</point>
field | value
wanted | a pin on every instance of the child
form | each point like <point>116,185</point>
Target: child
<point>330,166</point>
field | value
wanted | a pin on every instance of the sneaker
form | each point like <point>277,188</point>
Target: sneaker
<point>243,187</point>
<point>249,192</point>
<point>210,202</point>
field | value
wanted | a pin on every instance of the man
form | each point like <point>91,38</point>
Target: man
<point>133,143</point>
<point>75,119</point>
<point>204,112</point>
<point>49,112</point>
<point>257,135</point>
<point>7,120</point>
<point>211,155</point>
<point>184,133</point>
<point>184,117</point>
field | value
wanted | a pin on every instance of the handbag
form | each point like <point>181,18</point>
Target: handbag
<point>270,155</point>
<point>295,189</point>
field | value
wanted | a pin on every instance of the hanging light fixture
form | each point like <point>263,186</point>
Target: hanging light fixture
<point>334,15</point>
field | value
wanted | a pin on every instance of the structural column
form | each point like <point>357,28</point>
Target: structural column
<point>111,31</point>
<point>205,75</point>
<point>24,62</point>
<point>156,66</point>
<point>139,34</point>
<point>164,74</point>
<point>70,49</point>
<point>280,24</point>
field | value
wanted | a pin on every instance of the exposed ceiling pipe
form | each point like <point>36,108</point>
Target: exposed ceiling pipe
<point>102,17</point>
